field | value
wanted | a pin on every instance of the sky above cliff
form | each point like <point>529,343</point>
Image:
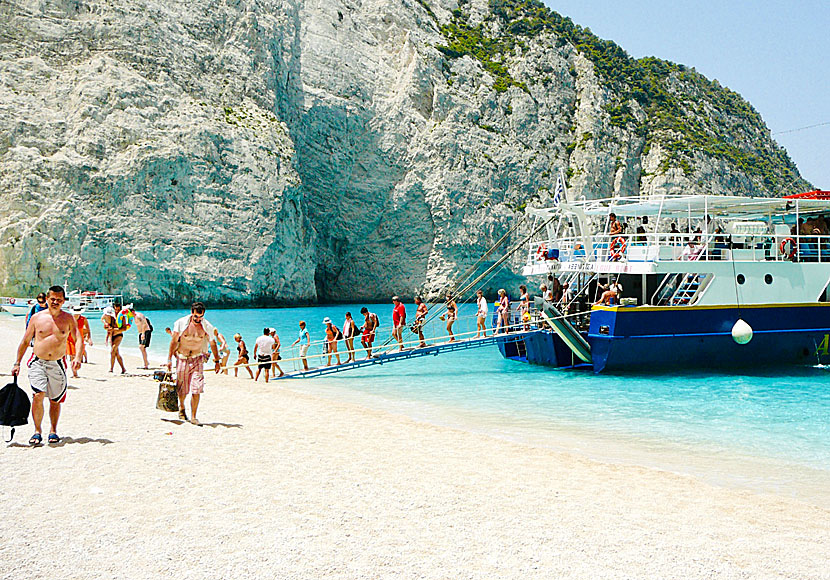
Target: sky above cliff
<point>775,54</point>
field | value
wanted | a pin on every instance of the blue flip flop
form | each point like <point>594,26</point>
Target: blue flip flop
<point>35,439</point>
<point>53,438</point>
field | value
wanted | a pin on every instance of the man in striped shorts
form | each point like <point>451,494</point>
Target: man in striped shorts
<point>47,374</point>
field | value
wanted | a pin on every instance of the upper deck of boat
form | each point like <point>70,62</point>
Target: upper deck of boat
<point>677,229</point>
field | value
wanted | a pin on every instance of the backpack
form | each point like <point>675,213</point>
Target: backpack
<point>337,334</point>
<point>14,406</point>
<point>149,325</point>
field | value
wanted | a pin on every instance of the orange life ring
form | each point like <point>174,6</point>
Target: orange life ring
<point>614,253</point>
<point>540,252</point>
<point>793,248</point>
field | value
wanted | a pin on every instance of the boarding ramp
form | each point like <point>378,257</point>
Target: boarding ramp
<point>436,341</point>
<point>569,335</point>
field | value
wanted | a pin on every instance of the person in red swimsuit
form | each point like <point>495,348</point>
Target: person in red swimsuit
<point>398,320</point>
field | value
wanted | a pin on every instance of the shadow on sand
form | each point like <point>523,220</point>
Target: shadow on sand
<point>213,425</point>
<point>64,441</point>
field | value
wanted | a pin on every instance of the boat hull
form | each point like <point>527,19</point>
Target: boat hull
<point>646,338</point>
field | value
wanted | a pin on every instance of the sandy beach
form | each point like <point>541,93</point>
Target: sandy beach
<point>281,484</point>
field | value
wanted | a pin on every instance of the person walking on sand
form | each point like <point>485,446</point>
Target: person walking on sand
<point>481,314</point>
<point>349,332</point>
<point>421,311</point>
<point>115,334</point>
<point>242,358</point>
<point>370,325</point>
<point>145,332</point>
<point>83,329</point>
<point>83,326</point>
<point>191,343</point>
<point>263,349</point>
<point>38,306</point>
<point>398,321</point>
<point>333,334</point>
<point>224,349</point>
<point>304,340</point>
<point>47,332</point>
<point>275,356</point>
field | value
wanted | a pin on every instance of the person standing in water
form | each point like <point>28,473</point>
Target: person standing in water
<point>48,331</point>
<point>191,343</point>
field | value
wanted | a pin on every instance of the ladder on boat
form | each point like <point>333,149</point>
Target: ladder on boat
<point>689,286</point>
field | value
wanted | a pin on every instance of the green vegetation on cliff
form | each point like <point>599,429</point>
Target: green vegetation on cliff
<point>684,112</point>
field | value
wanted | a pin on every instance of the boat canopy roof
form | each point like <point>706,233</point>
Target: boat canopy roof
<point>696,206</point>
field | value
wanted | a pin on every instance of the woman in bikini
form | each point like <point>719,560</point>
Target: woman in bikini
<point>242,358</point>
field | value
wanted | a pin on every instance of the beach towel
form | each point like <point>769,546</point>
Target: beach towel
<point>14,406</point>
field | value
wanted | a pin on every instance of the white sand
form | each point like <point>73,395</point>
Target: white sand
<point>279,484</point>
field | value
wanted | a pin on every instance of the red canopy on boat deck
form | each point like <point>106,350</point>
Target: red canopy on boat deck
<point>815,194</point>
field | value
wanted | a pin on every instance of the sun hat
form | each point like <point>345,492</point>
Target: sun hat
<point>327,320</point>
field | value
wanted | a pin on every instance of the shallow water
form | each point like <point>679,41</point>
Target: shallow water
<point>767,431</point>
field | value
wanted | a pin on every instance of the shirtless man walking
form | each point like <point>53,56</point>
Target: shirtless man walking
<point>49,328</point>
<point>145,334</point>
<point>189,344</point>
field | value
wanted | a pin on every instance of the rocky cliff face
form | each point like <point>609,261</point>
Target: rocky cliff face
<point>281,151</point>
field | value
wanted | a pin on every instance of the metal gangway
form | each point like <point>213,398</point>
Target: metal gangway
<point>324,363</point>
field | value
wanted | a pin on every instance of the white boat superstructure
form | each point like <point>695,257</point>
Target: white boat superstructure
<point>737,249</point>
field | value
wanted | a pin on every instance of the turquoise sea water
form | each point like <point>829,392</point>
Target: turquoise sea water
<point>765,431</point>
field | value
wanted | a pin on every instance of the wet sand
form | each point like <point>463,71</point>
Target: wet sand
<point>282,484</point>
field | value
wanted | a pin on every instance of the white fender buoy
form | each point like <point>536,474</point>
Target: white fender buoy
<point>741,332</point>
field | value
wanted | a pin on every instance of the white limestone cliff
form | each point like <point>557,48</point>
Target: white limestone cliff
<point>281,151</point>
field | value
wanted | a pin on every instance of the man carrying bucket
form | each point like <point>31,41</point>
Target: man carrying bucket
<point>191,344</point>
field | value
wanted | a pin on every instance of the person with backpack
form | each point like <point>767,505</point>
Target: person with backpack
<point>333,334</point>
<point>370,326</point>
<point>49,329</point>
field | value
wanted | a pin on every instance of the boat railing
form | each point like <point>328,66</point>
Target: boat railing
<point>677,246</point>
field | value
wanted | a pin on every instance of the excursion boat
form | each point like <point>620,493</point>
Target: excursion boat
<point>703,281</point>
<point>91,302</point>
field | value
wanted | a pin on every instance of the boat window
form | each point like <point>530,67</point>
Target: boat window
<point>741,279</point>
<point>768,278</point>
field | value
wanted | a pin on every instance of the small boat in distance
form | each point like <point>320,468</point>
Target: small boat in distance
<point>680,281</point>
<point>90,302</point>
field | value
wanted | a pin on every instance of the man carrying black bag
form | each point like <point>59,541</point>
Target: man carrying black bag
<point>47,375</point>
<point>14,406</point>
